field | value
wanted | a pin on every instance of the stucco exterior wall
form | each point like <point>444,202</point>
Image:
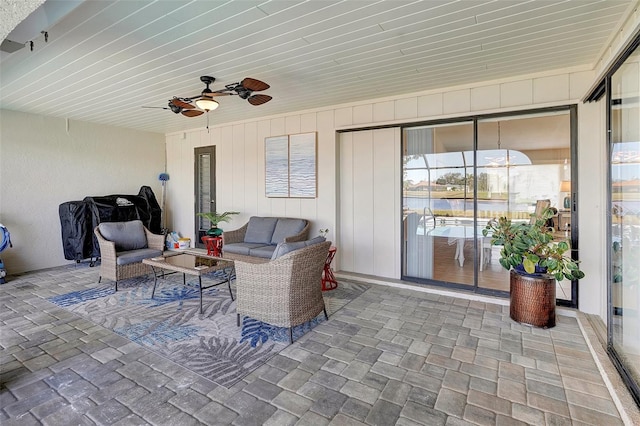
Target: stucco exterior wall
<point>43,164</point>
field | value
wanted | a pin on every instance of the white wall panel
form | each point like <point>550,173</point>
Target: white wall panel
<point>516,93</point>
<point>458,101</point>
<point>406,108</point>
<point>308,122</point>
<point>326,202</point>
<point>485,98</point>
<point>579,83</point>
<point>240,163</point>
<point>362,114</point>
<point>346,231</point>
<point>550,89</point>
<point>430,105</point>
<point>386,201</point>
<point>251,180</point>
<point>383,111</point>
<point>264,203</point>
<point>343,117</point>
<point>369,209</point>
<point>362,198</point>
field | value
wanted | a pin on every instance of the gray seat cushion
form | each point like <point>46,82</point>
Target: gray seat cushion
<point>264,251</point>
<point>260,229</point>
<point>287,228</point>
<point>136,256</point>
<point>284,248</point>
<point>241,248</point>
<point>126,235</point>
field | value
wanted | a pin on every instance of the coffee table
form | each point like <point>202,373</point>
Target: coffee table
<point>189,264</point>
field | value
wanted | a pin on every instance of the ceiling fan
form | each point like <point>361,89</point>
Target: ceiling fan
<point>204,102</point>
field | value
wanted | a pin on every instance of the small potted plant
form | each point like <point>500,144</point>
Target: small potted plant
<point>215,218</point>
<point>536,261</point>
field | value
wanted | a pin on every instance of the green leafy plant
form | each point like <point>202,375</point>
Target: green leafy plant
<point>532,246</point>
<point>216,218</point>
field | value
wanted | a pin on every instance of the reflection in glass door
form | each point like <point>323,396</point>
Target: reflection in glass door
<point>624,323</point>
<point>438,203</point>
<point>523,162</point>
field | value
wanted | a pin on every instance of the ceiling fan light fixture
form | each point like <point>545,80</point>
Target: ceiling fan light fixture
<point>207,104</point>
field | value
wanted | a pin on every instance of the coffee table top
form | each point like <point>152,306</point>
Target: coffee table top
<point>188,263</point>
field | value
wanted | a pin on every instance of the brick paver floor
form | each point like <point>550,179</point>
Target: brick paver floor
<point>392,356</point>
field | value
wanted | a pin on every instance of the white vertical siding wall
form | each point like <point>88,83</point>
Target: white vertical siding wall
<point>240,159</point>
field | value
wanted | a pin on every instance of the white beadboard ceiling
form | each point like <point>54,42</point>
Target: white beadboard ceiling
<point>106,59</point>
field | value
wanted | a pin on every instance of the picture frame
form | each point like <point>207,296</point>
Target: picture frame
<point>291,166</point>
<point>302,165</point>
<point>276,166</point>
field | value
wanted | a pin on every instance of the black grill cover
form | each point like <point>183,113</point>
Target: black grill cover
<point>77,234</point>
<point>79,218</point>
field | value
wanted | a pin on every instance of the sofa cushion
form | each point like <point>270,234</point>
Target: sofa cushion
<point>241,248</point>
<point>260,229</point>
<point>126,235</point>
<point>264,251</point>
<point>284,248</point>
<point>287,228</point>
<point>136,256</point>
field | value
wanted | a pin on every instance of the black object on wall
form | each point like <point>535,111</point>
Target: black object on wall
<point>79,218</point>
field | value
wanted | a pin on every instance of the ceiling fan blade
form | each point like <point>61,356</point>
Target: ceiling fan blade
<point>192,113</point>
<point>259,99</point>
<point>254,85</point>
<point>177,102</point>
<point>155,107</point>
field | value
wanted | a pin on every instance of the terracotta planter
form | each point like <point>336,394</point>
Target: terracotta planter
<point>533,299</point>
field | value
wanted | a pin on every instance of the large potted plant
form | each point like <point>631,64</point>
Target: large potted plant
<point>215,218</point>
<point>535,261</point>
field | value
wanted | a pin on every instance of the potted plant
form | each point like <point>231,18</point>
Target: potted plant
<point>536,261</point>
<point>215,218</point>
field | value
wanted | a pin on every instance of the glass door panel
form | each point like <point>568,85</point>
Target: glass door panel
<point>522,160</point>
<point>438,203</point>
<point>205,189</point>
<point>625,216</point>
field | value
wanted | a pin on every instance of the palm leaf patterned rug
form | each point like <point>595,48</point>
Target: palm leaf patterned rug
<point>170,324</point>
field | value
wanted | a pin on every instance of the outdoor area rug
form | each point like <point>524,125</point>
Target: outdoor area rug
<point>210,344</point>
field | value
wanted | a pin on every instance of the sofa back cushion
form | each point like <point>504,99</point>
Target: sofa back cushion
<point>286,228</point>
<point>284,248</point>
<point>260,229</point>
<point>126,235</point>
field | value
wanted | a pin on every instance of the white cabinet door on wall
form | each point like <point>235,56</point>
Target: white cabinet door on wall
<point>369,202</point>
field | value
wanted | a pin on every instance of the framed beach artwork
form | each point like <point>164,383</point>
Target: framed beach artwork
<point>302,165</point>
<point>276,153</point>
<point>290,166</point>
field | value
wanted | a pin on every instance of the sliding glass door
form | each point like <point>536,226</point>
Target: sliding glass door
<point>458,176</point>
<point>624,190</point>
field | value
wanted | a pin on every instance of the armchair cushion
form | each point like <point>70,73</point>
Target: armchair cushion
<point>133,256</point>
<point>284,248</point>
<point>287,227</point>
<point>125,235</point>
<point>260,229</point>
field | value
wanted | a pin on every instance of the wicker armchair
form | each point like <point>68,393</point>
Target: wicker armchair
<point>117,263</point>
<point>284,292</point>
